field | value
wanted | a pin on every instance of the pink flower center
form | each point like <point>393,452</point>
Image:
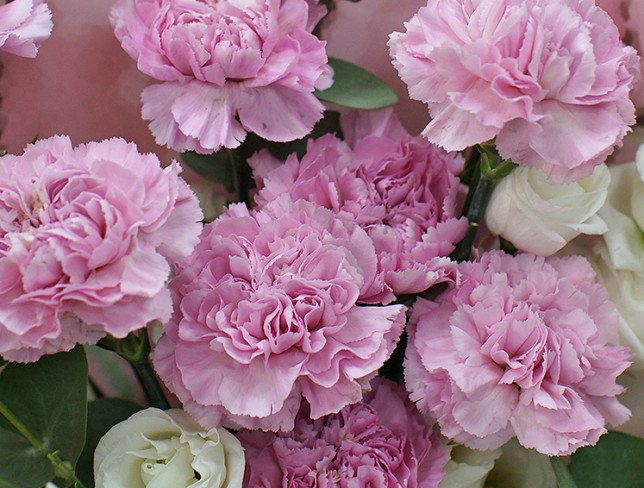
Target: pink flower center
<point>351,445</point>
<point>224,42</point>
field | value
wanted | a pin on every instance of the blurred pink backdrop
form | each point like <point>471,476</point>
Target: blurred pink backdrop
<point>81,84</point>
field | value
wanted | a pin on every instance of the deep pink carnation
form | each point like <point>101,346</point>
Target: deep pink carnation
<point>24,24</point>
<point>519,348</point>
<point>229,66</point>
<point>86,234</point>
<point>549,79</point>
<point>267,303</point>
<point>402,190</point>
<point>381,442</point>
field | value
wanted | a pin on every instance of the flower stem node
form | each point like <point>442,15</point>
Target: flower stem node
<point>134,348</point>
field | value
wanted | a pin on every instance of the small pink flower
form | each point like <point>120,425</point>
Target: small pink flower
<point>550,80</point>
<point>382,441</point>
<point>403,191</point>
<point>229,66</point>
<point>519,348</point>
<point>86,237</point>
<point>266,313</point>
<point>24,24</point>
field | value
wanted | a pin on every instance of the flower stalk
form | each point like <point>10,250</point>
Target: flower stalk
<point>488,171</point>
<point>135,348</point>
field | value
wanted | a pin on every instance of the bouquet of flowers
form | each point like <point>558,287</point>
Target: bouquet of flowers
<point>307,243</point>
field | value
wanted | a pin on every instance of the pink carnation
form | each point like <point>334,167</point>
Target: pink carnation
<point>86,234</point>
<point>402,190</point>
<point>380,442</point>
<point>519,348</point>
<point>229,66</point>
<point>267,303</point>
<point>549,79</point>
<point>24,24</point>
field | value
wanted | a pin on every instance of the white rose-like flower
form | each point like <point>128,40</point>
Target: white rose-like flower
<point>519,467</point>
<point>167,449</point>
<point>626,290</point>
<point>468,468</point>
<point>511,466</point>
<point>540,216</point>
<point>619,259</point>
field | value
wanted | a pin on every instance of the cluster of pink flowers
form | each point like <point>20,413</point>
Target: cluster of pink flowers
<point>227,67</point>
<point>403,191</point>
<point>278,317</point>
<point>382,441</point>
<point>86,238</point>
<point>549,79</point>
<point>24,24</point>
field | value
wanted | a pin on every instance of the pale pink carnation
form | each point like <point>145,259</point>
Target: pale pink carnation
<point>519,348</point>
<point>402,190</point>
<point>381,442</point>
<point>229,66</point>
<point>549,79</point>
<point>266,313</point>
<point>86,237</point>
<point>24,24</point>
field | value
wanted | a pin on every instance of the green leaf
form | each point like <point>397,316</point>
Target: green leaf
<point>616,461</point>
<point>218,167</point>
<point>356,88</point>
<point>102,415</point>
<point>21,465</point>
<point>49,399</point>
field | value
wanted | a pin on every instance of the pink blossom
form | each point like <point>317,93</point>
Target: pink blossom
<point>266,313</point>
<point>24,24</point>
<point>382,441</point>
<point>401,189</point>
<point>549,79</point>
<point>86,237</point>
<point>519,348</point>
<point>228,66</point>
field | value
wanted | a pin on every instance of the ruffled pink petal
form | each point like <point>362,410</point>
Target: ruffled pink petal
<point>192,117</point>
<point>279,114</point>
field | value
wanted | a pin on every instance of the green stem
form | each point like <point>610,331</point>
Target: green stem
<point>480,196</point>
<point>240,177</point>
<point>473,182</point>
<point>62,469</point>
<point>564,478</point>
<point>148,380</point>
<point>487,173</point>
<point>22,429</point>
<point>136,349</point>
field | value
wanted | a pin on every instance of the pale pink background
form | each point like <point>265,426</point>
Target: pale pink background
<point>81,84</point>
